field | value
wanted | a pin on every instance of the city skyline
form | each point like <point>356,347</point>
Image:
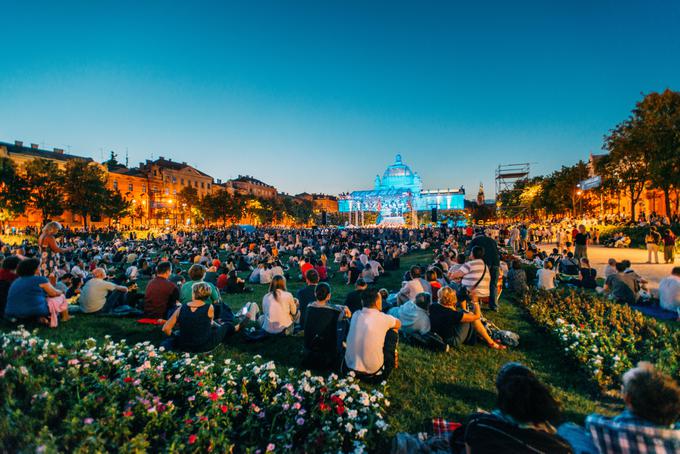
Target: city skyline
<point>319,98</point>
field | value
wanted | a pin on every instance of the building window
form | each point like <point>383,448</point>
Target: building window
<point>174,192</point>
<point>174,179</point>
<point>155,173</point>
<point>167,191</point>
<point>181,181</point>
<point>143,188</point>
<point>130,188</point>
<point>208,185</point>
<point>115,184</point>
<point>195,184</point>
<point>202,185</point>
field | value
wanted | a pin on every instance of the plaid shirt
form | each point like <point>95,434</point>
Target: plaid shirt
<point>443,428</point>
<point>627,433</point>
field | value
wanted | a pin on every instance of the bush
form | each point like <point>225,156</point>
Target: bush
<point>115,397</point>
<point>636,234</point>
<point>604,337</point>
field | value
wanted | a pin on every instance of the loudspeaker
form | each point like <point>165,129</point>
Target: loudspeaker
<point>324,218</point>
<point>434,214</point>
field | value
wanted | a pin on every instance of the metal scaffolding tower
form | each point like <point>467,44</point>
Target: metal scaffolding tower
<point>507,176</point>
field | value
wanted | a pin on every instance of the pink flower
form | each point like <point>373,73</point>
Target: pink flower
<point>192,439</point>
<point>300,421</point>
<point>271,447</point>
<point>88,420</point>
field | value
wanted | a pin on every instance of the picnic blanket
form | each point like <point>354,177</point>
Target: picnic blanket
<point>657,312</point>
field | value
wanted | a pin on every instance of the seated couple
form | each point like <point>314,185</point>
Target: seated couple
<point>32,297</point>
<point>455,326</point>
<point>199,331</point>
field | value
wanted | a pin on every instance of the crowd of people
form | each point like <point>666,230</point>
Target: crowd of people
<point>181,280</point>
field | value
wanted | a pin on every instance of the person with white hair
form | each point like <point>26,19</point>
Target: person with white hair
<point>99,295</point>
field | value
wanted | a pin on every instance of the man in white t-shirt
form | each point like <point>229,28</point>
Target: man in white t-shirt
<point>372,339</point>
<point>669,291</point>
<point>98,294</point>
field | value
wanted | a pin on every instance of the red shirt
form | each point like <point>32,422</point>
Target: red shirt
<point>304,268</point>
<point>7,275</point>
<point>160,296</point>
<point>323,274</point>
<point>221,281</point>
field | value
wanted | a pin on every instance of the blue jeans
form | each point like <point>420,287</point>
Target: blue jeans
<point>578,438</point>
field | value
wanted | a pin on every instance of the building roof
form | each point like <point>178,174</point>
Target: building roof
<point>56,154</point>
<point>170,164</point>
<point>252,180</point>
<point>133,172</point>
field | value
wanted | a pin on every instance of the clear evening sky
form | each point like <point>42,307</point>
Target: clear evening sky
<point>319,96</point>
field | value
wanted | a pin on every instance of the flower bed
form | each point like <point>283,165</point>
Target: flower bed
<point>604,337</point>
<point>114,397</point>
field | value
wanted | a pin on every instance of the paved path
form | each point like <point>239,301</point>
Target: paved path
<point>599,255</point>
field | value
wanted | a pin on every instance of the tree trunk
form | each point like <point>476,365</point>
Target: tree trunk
<point>667,200</point>
<point>633,201</point>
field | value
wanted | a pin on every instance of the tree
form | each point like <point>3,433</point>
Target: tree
<point>85,189</point>
<point>13,192</point>
<point>627,165</point>
<point>659,115</point>
<point>187,199</point>
<point>115,205</point>
<point>44,182</point>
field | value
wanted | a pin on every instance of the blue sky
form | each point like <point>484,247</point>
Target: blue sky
<point>320,95</point>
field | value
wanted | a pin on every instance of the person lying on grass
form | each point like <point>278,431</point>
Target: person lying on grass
<point>459,327</point>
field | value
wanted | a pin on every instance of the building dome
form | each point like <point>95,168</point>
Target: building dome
<point>399,175</point>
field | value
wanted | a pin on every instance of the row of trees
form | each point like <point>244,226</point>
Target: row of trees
<point>644,153</point>
<point>41,185</point>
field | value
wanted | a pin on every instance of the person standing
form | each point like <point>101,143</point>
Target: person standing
<point>581,243</point>
<point>492,260</point>
<point>669,246</point>
<point>652,240</point>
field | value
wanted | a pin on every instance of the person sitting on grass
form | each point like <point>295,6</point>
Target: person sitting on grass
<point>413,315</point>
<point>353,299</point>
<point>522,421</point>
<point>649,423</point>
<point>325,329</point>
<point>99,296</point>
<point>517,279</point>
<point>280,310</point>
<point>32,297</point>
<point>669,292</point>
<point>198,331</point>
<point>458,327</point>
<point>161,295</point>
<point>621,287</point>
<point>7,276</point>
<point>610,268</point>
<point>546,276</point>
<point>587,276</point>
<point>372,340</point>
<point>196,274</point>
<point>306,295</point>
<point>235,284</point>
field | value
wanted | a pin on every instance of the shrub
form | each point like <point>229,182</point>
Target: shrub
<point>636,234</point>
<point>604,337</point>
<point>114,397</point>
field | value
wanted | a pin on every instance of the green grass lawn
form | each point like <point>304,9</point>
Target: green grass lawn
<point>425,385</point>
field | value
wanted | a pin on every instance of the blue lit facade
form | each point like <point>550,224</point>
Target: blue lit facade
<point>400,191</point>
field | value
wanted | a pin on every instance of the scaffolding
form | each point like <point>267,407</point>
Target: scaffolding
<point>507,177</point>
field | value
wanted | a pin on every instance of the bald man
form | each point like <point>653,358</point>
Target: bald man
<point>100,295</point>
